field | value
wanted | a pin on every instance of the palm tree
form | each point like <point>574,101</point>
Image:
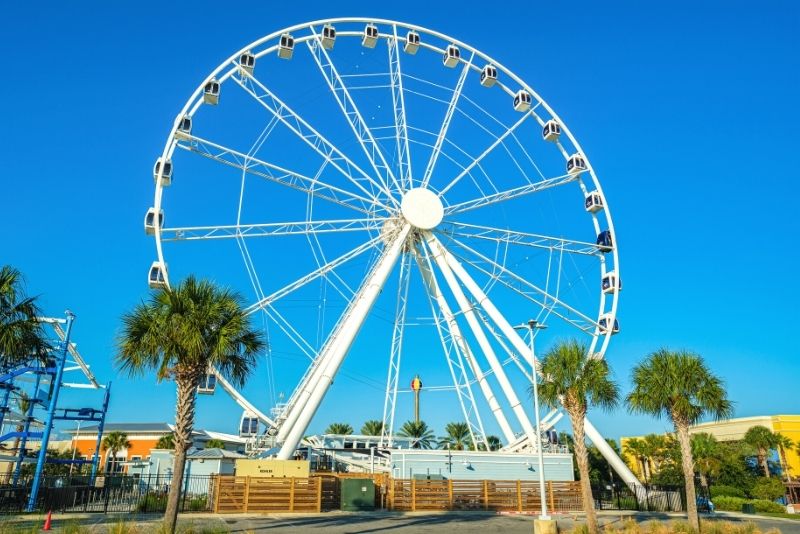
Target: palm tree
<point>23,405</point>
<point>114,442</point>
<point>458,437</point>
<point>762,439</point>
<point>707,457</point>
<point>678,385</point>
<point>373,427</point>
<point>21,332</point>
<point>637,448</point>
<point>423,436</point>
<point>179,333</point>
<point>215,443</point>
<point>341,429</point>
<point>493,442</point>
<point>784,444</point>
<point>166,441</point>
<point>576,381</point>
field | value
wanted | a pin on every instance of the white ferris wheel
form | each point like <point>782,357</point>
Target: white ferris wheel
<point>390,195</point>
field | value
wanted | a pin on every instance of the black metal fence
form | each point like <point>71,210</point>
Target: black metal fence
<point>112,493</point>
<point>645,498</point>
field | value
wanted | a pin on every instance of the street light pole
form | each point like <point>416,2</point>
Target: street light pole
<point>532,325</point>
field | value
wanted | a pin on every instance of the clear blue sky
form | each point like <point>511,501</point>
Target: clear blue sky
<point>687,110</point>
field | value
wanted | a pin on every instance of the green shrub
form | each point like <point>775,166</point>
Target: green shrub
<point>762,505</point>
<point>734,504</point>
<point>152,502</point>
<point>727,491</point>
<point>768,489</point>
<point>198,504</point>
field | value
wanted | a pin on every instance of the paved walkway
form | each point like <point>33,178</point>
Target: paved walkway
<point>364,523</point>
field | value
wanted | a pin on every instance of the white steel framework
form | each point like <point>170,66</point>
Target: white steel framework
<point>352,160</point>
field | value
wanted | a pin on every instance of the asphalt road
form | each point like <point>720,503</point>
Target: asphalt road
<point>363,523</point>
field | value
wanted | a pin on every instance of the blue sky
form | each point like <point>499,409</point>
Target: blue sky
<point>686,110</point>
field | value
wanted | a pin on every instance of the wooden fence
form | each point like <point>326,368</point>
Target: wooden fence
<point>232,494</point>
<point>497,495</point>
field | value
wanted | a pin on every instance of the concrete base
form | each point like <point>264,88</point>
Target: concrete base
<point>545,526</point>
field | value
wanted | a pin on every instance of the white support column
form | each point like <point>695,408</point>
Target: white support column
<point>519,344</point>
<point>336,351</point>
<point>480,336</point>
<point>460,347</point>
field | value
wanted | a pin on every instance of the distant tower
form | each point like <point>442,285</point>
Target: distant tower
<point>416,386</point>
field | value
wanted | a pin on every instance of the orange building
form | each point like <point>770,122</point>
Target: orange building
<point>143,438</point>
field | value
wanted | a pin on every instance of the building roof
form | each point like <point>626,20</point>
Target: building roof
<point>228,438</point>
<point>128,428</point>
<point>214,454</point>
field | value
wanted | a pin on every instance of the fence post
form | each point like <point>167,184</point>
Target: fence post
<point>485,494</point>
<point>519,496</point>
<point>291,494</point>
<point>246,493</point>
<point>450,492</point>
<point>217,491</point>
<point>413,495</point>
<point>552,497</point>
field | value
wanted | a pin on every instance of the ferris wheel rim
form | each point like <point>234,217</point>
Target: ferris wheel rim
<point>195,101</point>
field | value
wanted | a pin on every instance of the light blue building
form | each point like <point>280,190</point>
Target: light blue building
<point>478,465</point>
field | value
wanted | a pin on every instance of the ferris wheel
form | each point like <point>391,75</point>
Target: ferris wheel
<point>390,195</point>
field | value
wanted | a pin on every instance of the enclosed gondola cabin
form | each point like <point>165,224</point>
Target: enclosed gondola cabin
<point>184,129</point>
<point>248,62</point>
<point>208,383</point>
<point>157,276</point>
<point>286,46</point>
<point>211,92</point>
<point>611,283</point>
<point>593,202</point>
<point>605,322</point>
<point>328,37</point>
<point>166,172</point>
<point>576,164</point>
<point>370,38</point>
<point>604,241</point>
<point>248,425</point>
<point>452,55</point>
<point>412,43</point>
<point>488,76</point>
<point>551,131</point>
<point>150,221</point>
<point>522,100</point>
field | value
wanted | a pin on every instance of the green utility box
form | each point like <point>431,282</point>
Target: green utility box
<point>358,494</point>
<point>748,508</point>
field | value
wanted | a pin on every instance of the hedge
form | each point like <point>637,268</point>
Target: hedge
<point>727,491</point>
<point>734,504</point>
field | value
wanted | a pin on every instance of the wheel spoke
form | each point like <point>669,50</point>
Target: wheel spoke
<point>280,175</point>
<point>501,235</point>
<point>509,194</point>
<point>483,154</point>
<point>512,280</point>
<point>322,271</point>
<point>351,113</point>
<point>311,137</point>
<point>448,116</point>
<point>191,233</point>
<point>399,105</point>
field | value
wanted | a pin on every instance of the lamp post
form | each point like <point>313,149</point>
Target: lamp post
<point>532,325</point>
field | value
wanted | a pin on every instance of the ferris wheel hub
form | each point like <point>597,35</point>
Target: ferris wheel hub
<point>422,208</point>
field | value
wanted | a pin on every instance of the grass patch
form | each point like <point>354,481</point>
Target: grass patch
<point>784,515</point>
<point>630,526</point>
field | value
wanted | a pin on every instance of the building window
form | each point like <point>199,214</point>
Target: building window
<point>114,465</point>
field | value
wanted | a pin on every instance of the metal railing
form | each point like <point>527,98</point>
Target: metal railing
<point>109,493</point>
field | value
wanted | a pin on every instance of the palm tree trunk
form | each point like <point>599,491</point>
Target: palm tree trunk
<point>184,424</point>
<point>682,430</point>
<point>582,457</point>
<point>762,456</point>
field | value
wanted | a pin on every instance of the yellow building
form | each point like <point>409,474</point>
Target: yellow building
<point>734,430</point>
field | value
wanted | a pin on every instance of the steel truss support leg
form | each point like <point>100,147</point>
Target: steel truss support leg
<point>522,348</point>
<point>336,351</point>
<point>480,336</point>
<point>454,342</point>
